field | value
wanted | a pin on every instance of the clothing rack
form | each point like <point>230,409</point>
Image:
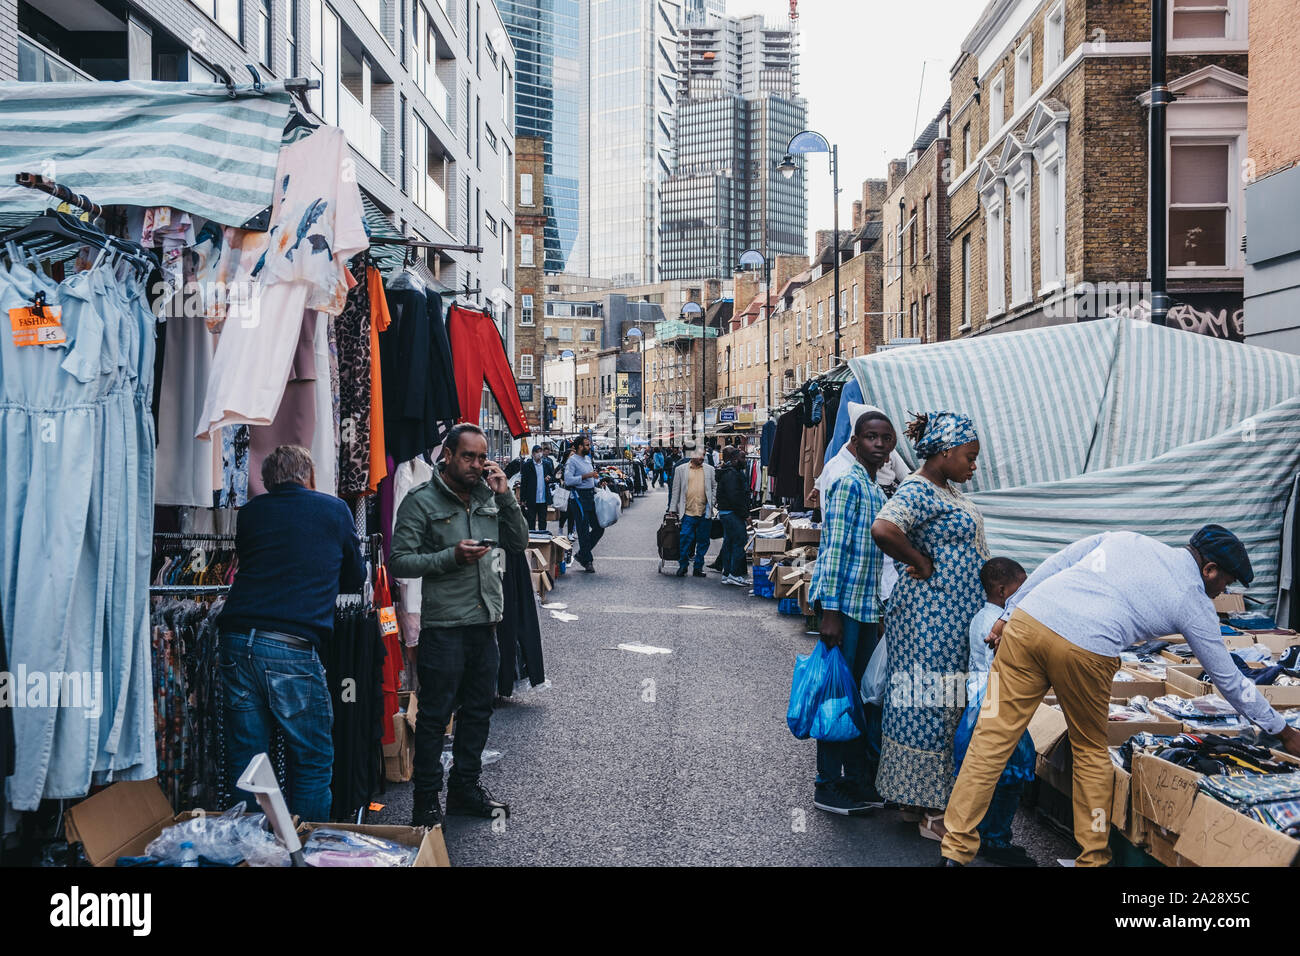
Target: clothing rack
<point>422,244</point>
<point>190,590</point>
<point>195,536</point>
<point>59,191</point>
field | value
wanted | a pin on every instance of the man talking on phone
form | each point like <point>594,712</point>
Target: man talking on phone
<point>452,531</point>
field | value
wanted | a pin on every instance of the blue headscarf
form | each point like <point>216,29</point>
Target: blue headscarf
<point>944,430</point>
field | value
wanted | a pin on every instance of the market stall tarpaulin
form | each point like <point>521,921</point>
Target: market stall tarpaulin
<point>1111,425</point>
<point>188,145</point>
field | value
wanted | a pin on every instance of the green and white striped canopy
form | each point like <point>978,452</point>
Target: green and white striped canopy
<point>1111,425</point>
<point>187,145</point>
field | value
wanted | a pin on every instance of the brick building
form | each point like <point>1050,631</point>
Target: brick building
<point>915,225</point>
<point>678,358</point>
<point>742,354</point>
<point>1050,165</point>
<point>530,289</point>
<point>1273,194</point>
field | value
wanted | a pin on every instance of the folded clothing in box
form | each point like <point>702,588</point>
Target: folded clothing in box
<point>1218,756</point>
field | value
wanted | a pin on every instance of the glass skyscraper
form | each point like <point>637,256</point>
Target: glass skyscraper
<point>552,54</point>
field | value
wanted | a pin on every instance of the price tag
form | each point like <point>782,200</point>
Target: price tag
<point>387,621</point>
<point>37,328</point>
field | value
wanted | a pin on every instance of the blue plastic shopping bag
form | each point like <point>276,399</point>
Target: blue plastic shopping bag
<point>824,697</point>
<point>1020,766</point>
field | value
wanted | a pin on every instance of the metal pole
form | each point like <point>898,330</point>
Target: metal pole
<point>767,304</point>
<point>835,241</point>
<point>1158,201</point>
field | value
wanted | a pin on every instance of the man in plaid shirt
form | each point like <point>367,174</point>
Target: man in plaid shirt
<point>844,586</point>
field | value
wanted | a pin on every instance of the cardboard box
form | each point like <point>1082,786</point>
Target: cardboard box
<point>1163,792</point>
<point>802,533</point>
<point>399,756</point>
<point>1277,643</point>
<point>1132,826</point>
<point>770,545</point>
<point>772,513</point>
<point>1228,603</point>
<point>802,594</point>
<point>1162,845</point>
<point>1185,678</point>
<point>786,581</point>
<point>1217,835</point>
<point>433,848</point>
<point>123,819</point>
<point>1139,687</point>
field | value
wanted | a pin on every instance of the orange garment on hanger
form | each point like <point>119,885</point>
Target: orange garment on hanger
<point>379,322</point>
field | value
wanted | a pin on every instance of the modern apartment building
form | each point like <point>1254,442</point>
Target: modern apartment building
<point>631,132</point>
<point>423,88</point>
<point>737,109</point>
<point>552,89</point>
<point>1050,129</point>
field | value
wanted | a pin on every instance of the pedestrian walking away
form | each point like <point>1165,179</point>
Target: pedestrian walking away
<point>581,477</point>
<point>297,550</point>
<point>451,532</point>
<point>694,499</point>
<point>734,503</point>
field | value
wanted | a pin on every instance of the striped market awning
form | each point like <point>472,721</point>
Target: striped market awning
<point>1111,425</point>
<point>187,145</point>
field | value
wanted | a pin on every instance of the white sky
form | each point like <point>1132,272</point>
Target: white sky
<point>860,64</point>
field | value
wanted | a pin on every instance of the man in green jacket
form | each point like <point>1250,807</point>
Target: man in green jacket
<point>451,531</point>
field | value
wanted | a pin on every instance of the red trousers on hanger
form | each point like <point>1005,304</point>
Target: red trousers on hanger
<point>477,353</point>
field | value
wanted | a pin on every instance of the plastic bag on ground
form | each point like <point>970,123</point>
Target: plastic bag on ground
<point>608,506</point>
<point>876,676</point>
<point>229,838</point>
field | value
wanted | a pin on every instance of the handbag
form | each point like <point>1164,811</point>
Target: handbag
<point>715,529</point>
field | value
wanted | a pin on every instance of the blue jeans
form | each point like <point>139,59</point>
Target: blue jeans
<point>694,537</point>
<point>995,829</point>
<point>854,761</point>
<point>733,543</point>
<point>271,684</point>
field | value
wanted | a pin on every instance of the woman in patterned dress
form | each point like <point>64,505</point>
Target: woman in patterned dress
<point>938,534</point>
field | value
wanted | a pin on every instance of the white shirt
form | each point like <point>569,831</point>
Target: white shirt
<point>1112,590</point>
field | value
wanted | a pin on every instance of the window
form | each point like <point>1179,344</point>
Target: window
<point>401,139</point>
<point>588,335</point>
<point>1051,226</point>
<point>854,318</point>
<point>507,97</point>
<point>566,335</point>
<point>526,310</point>
<point>508,178</point>
<point>491,51</point>
<point>526,189</point>
<point>547,331</point>
<point>798,330</point>
<point>929,319</point>
<point>807,332</point>
<point>491,223</point>
<point>913,330</point>
<point>997,104</point>
<point>911,235</point>
<point>1021,262</point>
<point>525,249</point>
<point>525,366</point>
<point>262,13</point>
<point>997,271</point>
<point>1024,73</point>
<point>840,315</point>
<point>491,138</point>
<point>1054,39</point>
<point>925,226</point>
<point>967,157</point>
<point>291,41</point>
<point>1201,19</point>
<point>965,282</point>
<point>325,61</point>
<point>1199,182</point>
<point>225,12</point>
<point>820,307</point>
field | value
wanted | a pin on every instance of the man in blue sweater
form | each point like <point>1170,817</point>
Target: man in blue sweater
<point>297,551</point>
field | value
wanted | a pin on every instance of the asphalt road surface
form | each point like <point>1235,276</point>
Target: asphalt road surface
<point>667,759</point>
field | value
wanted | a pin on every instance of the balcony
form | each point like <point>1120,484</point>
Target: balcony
<point>38,65</point>
<point>363,131</point>
<point>433,200</point>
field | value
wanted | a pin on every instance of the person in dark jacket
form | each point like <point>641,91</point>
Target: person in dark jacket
<point>733,509</point>
<point>298,551</point>
<point>536,478</point>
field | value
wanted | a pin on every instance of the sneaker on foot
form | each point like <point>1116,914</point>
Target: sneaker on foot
<point>427,813</point>
<point>474,801</point>
<point>867,794</point>
<point>699,573</point>
<point>1009,855</point>
<point>681,572</point>
<point>832,799</point>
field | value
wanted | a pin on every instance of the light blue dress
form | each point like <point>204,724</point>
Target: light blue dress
<point>76,517</point>
<point>927,624</point>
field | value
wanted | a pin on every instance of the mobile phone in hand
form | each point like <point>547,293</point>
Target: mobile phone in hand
<point>486,543</point>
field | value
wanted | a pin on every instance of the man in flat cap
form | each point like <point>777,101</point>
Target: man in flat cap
<point>1064,629</point>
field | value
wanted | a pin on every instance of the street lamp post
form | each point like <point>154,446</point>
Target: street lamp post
<point>636,333</point>
<point>1159,200</point>
<point>751,259</point>
<point>689,311</point>
<point>811,142</point>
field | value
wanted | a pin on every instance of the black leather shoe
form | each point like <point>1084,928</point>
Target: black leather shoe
<point>474,801</point>
<point>428,813</point>
<point>589,568</point>
<point>681,572</point>
<point>1010,855</point>
<point>699,573</point>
